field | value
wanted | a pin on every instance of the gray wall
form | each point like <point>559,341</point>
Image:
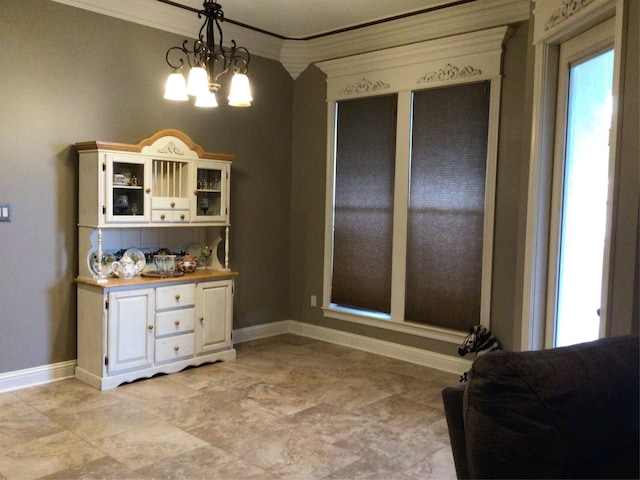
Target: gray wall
<point>70,75</point>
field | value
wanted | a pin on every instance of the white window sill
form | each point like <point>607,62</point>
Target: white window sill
<point>384,321</point>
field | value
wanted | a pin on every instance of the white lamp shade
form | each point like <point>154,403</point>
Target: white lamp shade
<point>198,83</point>
<point>176,88</point>
<point>207,100</point>
<point>240,91</point>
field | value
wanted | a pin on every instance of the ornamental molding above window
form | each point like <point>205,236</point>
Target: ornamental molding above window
<point>365,85</point>
<point>450,72</point>
<point>568,8</point>
<point>553,18</point>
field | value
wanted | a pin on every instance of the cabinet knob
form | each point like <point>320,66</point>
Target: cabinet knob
<point>176,323</point>
<point>173,204</point>
<point>176,348</point>
<point>201,319</point>
<point>148,190</point>
<point>178,297</point>
<point>150,327</point>
<point>182,217</point>
<point>162,217</point>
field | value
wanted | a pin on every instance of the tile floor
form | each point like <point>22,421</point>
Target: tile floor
<point>288,408</point>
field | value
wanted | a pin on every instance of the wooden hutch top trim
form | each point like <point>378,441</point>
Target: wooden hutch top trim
<point>125,147</point>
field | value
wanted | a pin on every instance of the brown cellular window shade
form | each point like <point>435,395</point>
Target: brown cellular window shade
<point>363,216</point>
<point>446,211</point>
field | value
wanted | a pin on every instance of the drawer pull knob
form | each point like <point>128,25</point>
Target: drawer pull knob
<point>162,217</point>
<point>150,327</point>
<point>173,204</point>
<point>176,348</point>
<point>202,319</point>
<point>148,190</point>
<point>178,297</point>
<point>176,323</point>
<point>181,217</point>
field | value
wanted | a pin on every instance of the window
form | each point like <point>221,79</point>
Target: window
<point>582,192</point>
<point>568,97</point>
<point>410,184</point>
<point>446,205</point>
<point>363,212</point>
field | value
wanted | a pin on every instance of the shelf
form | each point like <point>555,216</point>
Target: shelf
<point>138,280</point>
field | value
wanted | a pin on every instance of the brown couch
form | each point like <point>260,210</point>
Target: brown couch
<point>568,412</point>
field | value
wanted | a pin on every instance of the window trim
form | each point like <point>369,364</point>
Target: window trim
<point>554,23</point>
<point>466,58</point>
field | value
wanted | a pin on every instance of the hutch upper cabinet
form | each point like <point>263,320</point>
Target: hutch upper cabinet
<point>164,180</point>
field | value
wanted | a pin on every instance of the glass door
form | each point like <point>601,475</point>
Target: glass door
<point>210,205</point>
<point>582,190</point>
<point>128,189</point>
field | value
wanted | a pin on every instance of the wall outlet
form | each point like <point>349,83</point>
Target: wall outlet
<point>5,212</point>
<point>314,300</point>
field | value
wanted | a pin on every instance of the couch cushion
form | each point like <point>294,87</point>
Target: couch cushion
<point>568,412</point>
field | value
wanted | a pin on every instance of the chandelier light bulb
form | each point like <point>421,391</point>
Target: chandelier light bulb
<point>176,87</point>
<point>206,100</point>
<point>198,83</point>
<point>240,91</point>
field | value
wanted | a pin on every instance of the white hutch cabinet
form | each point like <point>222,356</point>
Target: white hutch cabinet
<point>164,191</point>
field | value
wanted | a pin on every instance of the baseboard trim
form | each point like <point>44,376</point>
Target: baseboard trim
<point>418,356</point>
<point>265,330</point>
<point>30,377</point>
<point>55,372</point>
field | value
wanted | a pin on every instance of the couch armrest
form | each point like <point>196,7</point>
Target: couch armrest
<point>453,400</point>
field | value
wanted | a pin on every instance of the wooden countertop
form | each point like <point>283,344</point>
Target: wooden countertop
<point>197,276</point>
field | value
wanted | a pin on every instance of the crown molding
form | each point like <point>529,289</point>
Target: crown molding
<point>296,55</point>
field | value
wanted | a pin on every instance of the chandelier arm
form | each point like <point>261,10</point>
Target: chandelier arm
<point>182,55</point>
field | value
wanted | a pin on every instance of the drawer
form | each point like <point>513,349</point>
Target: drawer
<point>175,296</point>
<point>174,322</point>
<point>169,216</point>
<point>174,348</point>
<point>164,203</point>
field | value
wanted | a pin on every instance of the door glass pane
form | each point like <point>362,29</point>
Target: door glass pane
<point>584,203</point>
<point>363,215</point>
<point>446,206</point>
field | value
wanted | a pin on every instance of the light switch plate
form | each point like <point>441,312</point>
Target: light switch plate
<point>5,212</point>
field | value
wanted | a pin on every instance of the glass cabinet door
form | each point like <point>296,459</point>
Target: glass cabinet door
<point>128,189</point>
<point>211,182</point>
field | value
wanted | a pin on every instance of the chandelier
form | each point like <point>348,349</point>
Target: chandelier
<point>208,62</point>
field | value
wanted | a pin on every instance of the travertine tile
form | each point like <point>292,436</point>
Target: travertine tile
<point>98,422</point>
<point>290,454</point>
<point>438,465</point>
<point>363,470</point>
<point>105,468</point>
<point>25,426</point>
<point>205,462</point>
<point>70,394</point>
<point>10,404</point>
<point>46,455</point>
<point>144,445</point>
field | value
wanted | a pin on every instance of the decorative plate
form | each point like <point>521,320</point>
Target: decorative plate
<point>139,260</point>
<point>107,259</point>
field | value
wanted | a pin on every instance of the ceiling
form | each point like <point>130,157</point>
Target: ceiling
<point>302,19</point>
<point>300,32</point>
